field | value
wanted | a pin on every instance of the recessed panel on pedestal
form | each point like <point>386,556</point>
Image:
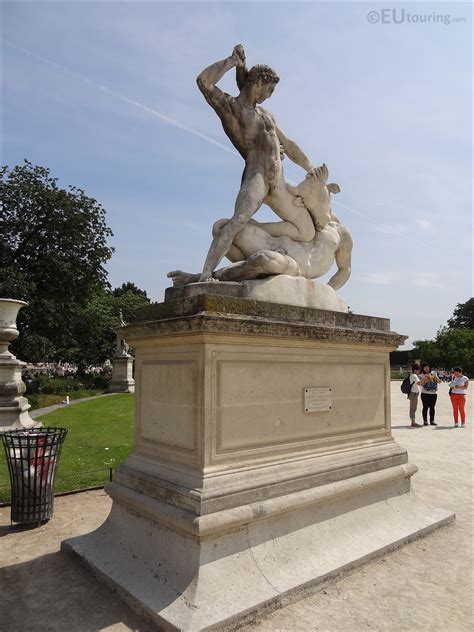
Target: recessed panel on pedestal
<point>260,398</point>
<point>168,405</point>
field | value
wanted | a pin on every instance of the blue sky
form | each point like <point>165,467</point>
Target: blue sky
<point>104,94</point>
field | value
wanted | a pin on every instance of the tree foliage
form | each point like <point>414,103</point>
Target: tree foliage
<point>454,344</point>
<point>55,241</point>
<point>463,316</point>
<point>95,340</point>
<point>129,288</point>
<point>53,251</point>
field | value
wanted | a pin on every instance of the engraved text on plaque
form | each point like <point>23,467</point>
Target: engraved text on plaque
<point>317,399</point>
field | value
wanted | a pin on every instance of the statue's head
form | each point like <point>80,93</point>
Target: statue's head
<point>260,78</point>
<point>262,74</point>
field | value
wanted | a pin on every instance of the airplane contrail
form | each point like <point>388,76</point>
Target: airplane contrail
<point>121,97</point>
<point>348,208</point>
<point>143,108</point>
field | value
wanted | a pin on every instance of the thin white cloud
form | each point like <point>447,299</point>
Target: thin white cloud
<point>427,279</point>
<point>424,224</point>
<point>392,229</point>
<point>144,108</point>
<point>347,208</point>
<point>380,278</point>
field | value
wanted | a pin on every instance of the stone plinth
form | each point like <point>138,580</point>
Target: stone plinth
<point>286,289</point>
<point>263,461</point>
<point>122,375</point>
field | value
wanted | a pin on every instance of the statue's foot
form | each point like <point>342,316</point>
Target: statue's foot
<point>205,278</point>
<point>182,278</point>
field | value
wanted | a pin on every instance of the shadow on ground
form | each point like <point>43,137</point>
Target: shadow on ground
<point>36,586</point>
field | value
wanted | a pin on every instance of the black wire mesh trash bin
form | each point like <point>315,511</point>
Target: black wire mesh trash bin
<point>32,456</point>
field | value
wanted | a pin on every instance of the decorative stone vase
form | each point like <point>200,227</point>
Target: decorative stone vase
<point>13,406</point>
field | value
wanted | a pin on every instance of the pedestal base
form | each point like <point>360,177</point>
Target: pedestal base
<point>263,460</point>
<point>182,583</point>
<point>15,416</point>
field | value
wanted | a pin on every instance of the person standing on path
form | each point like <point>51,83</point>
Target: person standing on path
<point>429,394</point>
<point>414,393</point>
<point>457,393</point>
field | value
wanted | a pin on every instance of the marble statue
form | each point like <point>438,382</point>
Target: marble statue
<point>309,238</point>
<point>121,347</point>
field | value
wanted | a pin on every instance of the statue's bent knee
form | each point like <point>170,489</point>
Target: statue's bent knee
<point>218,226</point>
<point>238,223</point>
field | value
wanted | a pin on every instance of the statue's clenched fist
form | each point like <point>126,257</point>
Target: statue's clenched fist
<point>238,55</point>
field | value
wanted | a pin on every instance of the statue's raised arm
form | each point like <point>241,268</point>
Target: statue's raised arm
<point>211,75</point>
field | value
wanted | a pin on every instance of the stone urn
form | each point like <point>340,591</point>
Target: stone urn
<point>13,406</point>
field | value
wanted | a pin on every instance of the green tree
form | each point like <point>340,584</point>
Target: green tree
<point>456,347</point>
<point>53,250</point>
<point>451,347</point>
<point>428,352</point>
<point>129,288</point>
<point>454,344</point>
<point>95,336</point>
<point>463,316</point>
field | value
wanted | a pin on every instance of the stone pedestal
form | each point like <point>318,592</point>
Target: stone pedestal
<point>263,462</point>
<point>122,375</point>
<point>14,407</point>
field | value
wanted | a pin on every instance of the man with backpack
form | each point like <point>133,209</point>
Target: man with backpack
<point>410,386</point>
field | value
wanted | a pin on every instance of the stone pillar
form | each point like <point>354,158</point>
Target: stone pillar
<point>263,462</point>
<point>122,375</point>
<point>13,406</point>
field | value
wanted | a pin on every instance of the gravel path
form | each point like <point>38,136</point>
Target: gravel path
<point>49,409</point>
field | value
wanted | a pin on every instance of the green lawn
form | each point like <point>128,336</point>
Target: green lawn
<point>100,437</point>
<point>41,400</point>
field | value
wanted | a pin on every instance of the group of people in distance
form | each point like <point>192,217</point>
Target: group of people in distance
<point>424,382</point>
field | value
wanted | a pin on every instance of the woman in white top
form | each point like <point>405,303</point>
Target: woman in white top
<point>414,393</point>
<point>457,392</point>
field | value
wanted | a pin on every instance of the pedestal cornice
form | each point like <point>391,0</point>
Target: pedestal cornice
<point>212,314</point>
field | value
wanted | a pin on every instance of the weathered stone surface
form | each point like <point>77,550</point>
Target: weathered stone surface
<point>184,583</point>
<point>233,315</point>
<point>282,289</point>
<point>294,291</point>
